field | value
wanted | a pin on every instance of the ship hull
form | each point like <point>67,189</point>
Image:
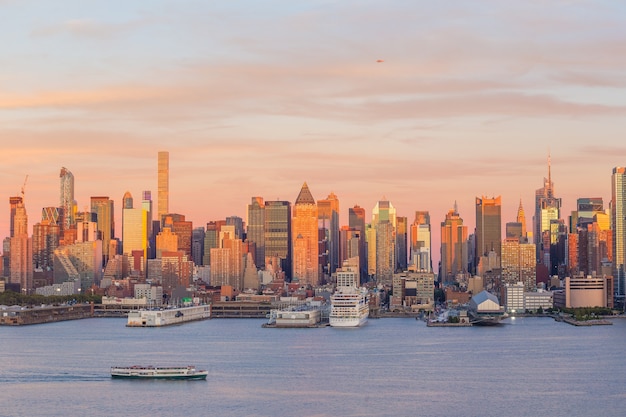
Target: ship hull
<point>347,321</point>
<point>149,372</point>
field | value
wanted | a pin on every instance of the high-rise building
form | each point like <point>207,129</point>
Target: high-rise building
<point>384,234</point>
<point>197,245</point>
<point>45,240</point>
<point>237,223</point>
<point>278,236</point>
<point>356,220</point>
<point>13,203</point>
<point>163,186</point>
<point>183,229</point>
<point>305,238</point>
<point>521,219</point>
<point>547,208</point>
<point>67,197</point>
<point>146,205</point>
<point>453,247</point>
<point>488,227</point>
<point>134,227</point>
<point>518,263</point>
<point>401,244</point>
<point>618,220</point>
<point>211,239</point>
<point>21,250</point>
<point>166,241</point>
<point>328,221</point>
<point>256,229</point>
<point>421,252</point>
<point>103,208</point>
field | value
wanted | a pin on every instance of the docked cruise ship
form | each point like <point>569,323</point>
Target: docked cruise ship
<point>349,307</point>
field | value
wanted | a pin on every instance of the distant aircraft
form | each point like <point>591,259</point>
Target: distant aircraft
<point>380,60</point>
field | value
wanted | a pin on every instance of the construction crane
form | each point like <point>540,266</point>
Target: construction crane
<point>24,186</point>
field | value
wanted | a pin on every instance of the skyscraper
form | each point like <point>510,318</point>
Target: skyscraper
<point>134,227</point>
<point>328,217</point>
<point>163,186</point>
<point>356,220</point>
<point>21,250</point>
<point>618,219</point>
<point>256,229</point>
<point>401,243</point>
<point>421,252</point>
<point>67,197</point>
<point>13,203</point>
<point>453,247</point>
<point>305,238</point>
<point>521,219</point>
<point>384,235</point>
<point>488,227</point>
<point>547,208</point>
<point>518,263</point>
<point>278,236</point>
<point>103,208</point>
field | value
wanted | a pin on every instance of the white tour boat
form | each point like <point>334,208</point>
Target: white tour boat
<point>158,372</point>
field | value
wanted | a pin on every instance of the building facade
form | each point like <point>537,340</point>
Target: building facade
<point>305,238</point>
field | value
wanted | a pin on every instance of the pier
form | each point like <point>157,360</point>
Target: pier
<point>18,316</point>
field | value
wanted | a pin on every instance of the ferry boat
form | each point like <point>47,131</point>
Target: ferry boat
<point>349,307</point>
<point>158,372</point>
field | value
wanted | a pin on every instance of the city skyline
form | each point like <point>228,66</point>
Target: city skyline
<point>469,101</point>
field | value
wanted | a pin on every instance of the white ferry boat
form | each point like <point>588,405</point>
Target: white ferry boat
<point>349,307</point>
<point>158,372</point>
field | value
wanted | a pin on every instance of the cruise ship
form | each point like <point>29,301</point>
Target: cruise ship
<point>349,307</point>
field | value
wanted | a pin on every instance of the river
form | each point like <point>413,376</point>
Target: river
<point>390,367</point>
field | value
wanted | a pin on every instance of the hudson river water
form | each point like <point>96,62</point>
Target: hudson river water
<point>390,367</point>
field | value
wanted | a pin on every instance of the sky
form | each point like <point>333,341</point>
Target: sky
<point>255,98</point>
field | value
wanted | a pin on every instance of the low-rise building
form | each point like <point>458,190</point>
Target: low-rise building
<point>584,291</point>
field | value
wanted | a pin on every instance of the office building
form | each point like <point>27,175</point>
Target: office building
<point>356,221</point>
<point>278,236</point>
<point>421,252</point>
<point>454,257</point>
<point>328,220</point>
<point>547,208</point>
<point>103,208</point>
<point>134,227</point>
<point>305,239</point>
<point>197,245</point>
<point>256,230</point>
<point>488,227</point>
<point>518,263</point>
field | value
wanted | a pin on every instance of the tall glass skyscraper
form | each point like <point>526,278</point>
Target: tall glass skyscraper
<point>67,197</point>
<point>488,227</point>
<point>618,219</point>
<point>256,229</point>
<point>278,235</point>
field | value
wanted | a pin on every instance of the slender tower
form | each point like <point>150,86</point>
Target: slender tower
<point>618,219</point>
<point>163,186</point>
<point>67,197</point>
<point>547,208</point>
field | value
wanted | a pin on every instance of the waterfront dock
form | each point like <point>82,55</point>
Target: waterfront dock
<point>18,316</point>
